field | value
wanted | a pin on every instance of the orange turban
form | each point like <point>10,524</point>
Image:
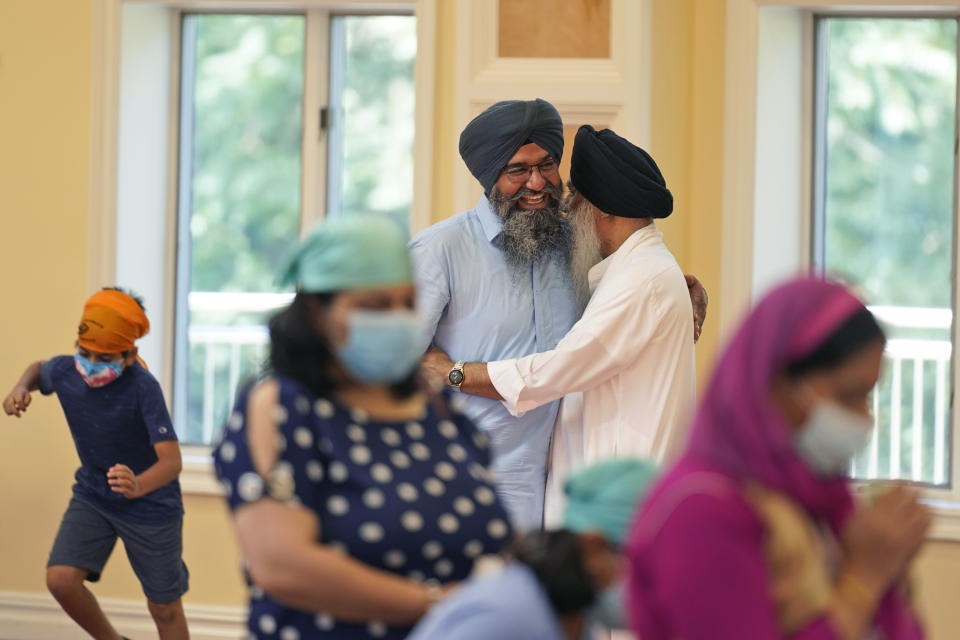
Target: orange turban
<point>111,322</point>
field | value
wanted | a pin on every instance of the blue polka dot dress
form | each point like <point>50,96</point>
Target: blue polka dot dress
<point>413,498</point>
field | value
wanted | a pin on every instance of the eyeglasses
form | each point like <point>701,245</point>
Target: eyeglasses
<point>520,173</point>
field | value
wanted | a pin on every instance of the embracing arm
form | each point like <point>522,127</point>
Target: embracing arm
<point>699,302</point>
<point>476,379</point>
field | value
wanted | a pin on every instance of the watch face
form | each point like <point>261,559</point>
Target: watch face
<point>456,377</point>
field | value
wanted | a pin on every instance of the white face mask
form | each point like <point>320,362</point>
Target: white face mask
<point>831,436</point>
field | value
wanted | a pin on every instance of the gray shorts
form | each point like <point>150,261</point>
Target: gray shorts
<point>87,536</point>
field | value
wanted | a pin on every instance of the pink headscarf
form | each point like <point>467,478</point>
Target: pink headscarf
<point>738,430</point>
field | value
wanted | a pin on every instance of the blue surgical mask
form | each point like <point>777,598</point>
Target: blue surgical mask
<point>97,374</point>
<point>607,609</point>
<point>382,347</point>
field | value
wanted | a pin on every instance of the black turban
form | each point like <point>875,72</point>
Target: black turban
<point>491,139</point>
<point>618,177</point>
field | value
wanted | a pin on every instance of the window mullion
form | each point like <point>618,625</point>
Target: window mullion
<point>313,173</point>
<point>187,57</point>
<point>954,466</point>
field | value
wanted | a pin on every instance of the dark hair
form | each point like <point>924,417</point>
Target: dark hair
<point>859,331</point>
<point>136,297</point>
<point>554,557</point>
<point>298,351</point>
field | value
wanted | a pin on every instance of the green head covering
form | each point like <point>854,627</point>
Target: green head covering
<point>350,252</point>
<point>604,497</point>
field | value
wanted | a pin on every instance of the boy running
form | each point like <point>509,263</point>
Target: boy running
<point>126,485</point>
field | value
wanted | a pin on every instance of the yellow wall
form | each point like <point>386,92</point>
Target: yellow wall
<point>45,71</point>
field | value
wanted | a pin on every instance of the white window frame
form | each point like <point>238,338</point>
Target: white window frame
<point>120,165</point>
<point>752,182</point>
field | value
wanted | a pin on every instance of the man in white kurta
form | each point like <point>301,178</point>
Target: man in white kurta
<point>631,353</point>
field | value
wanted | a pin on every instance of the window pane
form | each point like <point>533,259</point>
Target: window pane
<point>888,135</point>
<point>372,107</point>
<point>241,115</point>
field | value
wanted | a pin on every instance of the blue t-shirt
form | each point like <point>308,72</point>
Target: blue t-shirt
<point>117,423</point>
<point>508,605</point>
<point>414,498</point>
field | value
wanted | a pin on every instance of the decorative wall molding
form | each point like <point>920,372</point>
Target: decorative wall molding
<point>37,616</point>
<point>612,92</point>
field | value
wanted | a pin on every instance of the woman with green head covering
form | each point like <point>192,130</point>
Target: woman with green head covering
<point>560,583</point>
<point>356,496</point>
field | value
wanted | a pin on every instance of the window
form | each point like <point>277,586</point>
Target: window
<point>249,140</point>
<point>884,219</point>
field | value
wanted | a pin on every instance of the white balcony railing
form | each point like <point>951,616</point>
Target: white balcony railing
<point>928,460</point>
<point>900,403</point>
<point>216,340</point>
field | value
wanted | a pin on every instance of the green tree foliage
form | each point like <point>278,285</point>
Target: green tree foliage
<point>377,106</point>
<point>246,79</point>
<point>891,107</point>
<point>248,87</point>
<point>890,128</point>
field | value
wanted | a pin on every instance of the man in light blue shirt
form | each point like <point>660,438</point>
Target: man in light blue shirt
<point>494,282</point>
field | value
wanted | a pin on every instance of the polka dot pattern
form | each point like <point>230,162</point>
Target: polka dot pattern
<point>303,437</point>
<point>360,455</point>
<point>228,451</point>
<point>448,429</point>
<point>399,459</point>
<point>445,471</point>
<point>407,492</point>
<point>432,550</point>
<point>394,559</point>
<point>250,487</point>
<point>324,409</point>
<point>373,498</point>
<point>390,437</point>
<point>235,421</point>
<point>434,487</point>
<point>324,621</point>
<point>314,470</point>
<point>381,473</point>
<point>415,430</point>
<point>356,433</point>
<point>371,532</point>
<point>302,405</point>
<point>267,623</point>
<point>410,497</point>
<point>338,505</point>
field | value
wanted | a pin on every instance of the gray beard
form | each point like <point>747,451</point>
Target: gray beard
<point>585,251</point>
<point>531,234</point>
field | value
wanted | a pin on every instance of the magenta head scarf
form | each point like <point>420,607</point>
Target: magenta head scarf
<point>738,429</point>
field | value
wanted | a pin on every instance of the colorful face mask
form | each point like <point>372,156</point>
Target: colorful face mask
<point>382,347</point>
<point>97,374</point>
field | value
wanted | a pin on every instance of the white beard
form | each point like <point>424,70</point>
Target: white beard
<point>585,251</point>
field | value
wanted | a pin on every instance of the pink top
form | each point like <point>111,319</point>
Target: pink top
<point>698,565</point>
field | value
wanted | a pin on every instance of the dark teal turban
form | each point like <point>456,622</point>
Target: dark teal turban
<point>618,177</point>
<point>491,139</point>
